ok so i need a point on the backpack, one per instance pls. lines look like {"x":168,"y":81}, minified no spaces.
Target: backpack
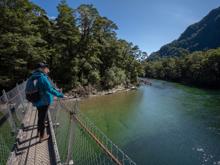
{"x":32,"y":90}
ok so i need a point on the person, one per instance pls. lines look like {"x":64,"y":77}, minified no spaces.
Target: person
{"x":47,"y":92}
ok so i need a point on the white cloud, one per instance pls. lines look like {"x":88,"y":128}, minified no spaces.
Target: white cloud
{"x":52,"y":17}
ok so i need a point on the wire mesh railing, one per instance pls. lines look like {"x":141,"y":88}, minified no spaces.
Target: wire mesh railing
{"x":13,"y":107}
{"x":73,"y":143}
{"x":110,"y":149}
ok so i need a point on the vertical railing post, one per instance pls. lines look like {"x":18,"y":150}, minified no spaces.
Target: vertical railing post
{"x":70,"y":142}
{"x":53,"y":138}
{"x":123,"y":159}
{"x":21,"y":102}
{"x":11,"y":120}
{"x":20,"y":96}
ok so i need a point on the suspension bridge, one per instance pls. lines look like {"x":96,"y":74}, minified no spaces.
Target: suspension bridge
{"x":74,"y":139}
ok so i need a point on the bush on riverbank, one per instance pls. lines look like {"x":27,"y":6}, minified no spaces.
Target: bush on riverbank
{"x":198,"y":68}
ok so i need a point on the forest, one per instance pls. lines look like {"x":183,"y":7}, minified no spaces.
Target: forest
{"x":80,"y":46}
{"x":200,"y":68}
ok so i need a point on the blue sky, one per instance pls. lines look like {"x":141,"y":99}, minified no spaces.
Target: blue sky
{"x":147,"y":23}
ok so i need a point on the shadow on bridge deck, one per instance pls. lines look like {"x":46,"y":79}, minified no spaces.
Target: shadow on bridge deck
{"x":28,"y":150}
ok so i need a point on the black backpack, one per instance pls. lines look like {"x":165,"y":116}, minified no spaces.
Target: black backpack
{"x":32,"y":90}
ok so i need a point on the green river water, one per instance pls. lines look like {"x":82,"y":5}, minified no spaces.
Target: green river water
{"x":163,"y":124}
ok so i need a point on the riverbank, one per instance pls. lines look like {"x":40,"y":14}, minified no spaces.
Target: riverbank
{"x":90,"y":91}
{"x":187,"y":83}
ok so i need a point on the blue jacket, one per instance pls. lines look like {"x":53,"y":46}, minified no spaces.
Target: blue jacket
{"x":47,"y":91}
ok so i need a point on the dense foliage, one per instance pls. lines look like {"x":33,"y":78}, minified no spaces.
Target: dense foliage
{"x":200,"y":36}
{"x":80,"y":46}
{"x":198,"y":68}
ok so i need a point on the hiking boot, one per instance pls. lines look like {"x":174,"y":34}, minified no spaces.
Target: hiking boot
{"x":44,"y":137}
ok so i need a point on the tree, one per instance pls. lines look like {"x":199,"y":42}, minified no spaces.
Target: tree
{"x":65,"y":40}
{"x":21,"y":44}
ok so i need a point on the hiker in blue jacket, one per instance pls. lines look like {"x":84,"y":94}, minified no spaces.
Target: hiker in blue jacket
{"x":47,"y":92}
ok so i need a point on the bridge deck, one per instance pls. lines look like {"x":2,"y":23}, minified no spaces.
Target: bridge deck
{"x":29,"y":150}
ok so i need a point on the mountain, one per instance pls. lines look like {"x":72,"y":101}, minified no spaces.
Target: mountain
{"x":200,"y":36}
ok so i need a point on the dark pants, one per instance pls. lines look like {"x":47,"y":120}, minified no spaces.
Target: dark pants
{"x":42,"y":114}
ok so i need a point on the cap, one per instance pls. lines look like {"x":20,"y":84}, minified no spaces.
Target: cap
{"x":42,"y":65}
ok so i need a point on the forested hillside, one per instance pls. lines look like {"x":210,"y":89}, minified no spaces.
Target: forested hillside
{"x":80,"y":45}
{"x":199,"y":68}
{"x":200,"y":36}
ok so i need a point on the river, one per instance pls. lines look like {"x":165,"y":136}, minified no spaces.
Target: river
{"x":163,"y":124}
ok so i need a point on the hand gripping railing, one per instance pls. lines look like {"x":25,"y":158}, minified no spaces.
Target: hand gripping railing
{"x":112,"y":150}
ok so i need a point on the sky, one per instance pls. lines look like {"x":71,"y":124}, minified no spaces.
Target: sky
{"x":147,"y":23}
